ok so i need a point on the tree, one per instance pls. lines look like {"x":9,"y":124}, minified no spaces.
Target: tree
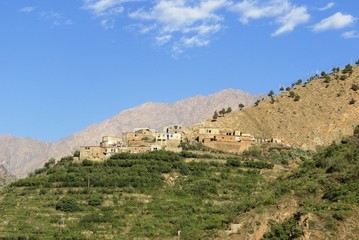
{"x":281,"y":89}
{"x":215,"y":115}
{"x":297,"y":97}
{"x":222,"y":112}
{"x":229,"y":109}
{"x":256,"y":103}
{"x":271,"y":93}
{"x":323,"y":74}
{"x":291,"y":94}
{"x":327,"y":79}
{"x":334,"y":70}
{"x":356,"y":131}
{"x":241,"y":106}
{"x":299,"y":81}
{"x":354,"y":87}
{"x":287,"y":89}
{"x":357,"y":62}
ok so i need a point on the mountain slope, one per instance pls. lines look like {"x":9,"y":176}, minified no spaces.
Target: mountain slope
{"x":324,"y":112}
{"x":20,"y":156}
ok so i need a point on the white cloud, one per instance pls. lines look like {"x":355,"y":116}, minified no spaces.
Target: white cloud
{"x":336,"y":21}
{"x":55,"y":17}
{"x":296,"y":16}
{"x":104,"y":7}
{"x":27,"y":9}
{"x":328,"y":6}
{"x":253,"y":9}
{"x":184,"y":23}
{"x":350,"y":34}
{"x":284,"y":12}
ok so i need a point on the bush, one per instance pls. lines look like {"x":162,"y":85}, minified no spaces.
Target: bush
{"x":343,"y":77}
{"x":67,"y":204}
{"x":354,"y":87}
{"x":95,"y":200}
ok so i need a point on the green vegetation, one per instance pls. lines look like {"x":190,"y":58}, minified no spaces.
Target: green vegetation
{"x":159,"y":194}
{"x":354,"y":87}
{"x":215,"y":115}
{"x":241,"y":106}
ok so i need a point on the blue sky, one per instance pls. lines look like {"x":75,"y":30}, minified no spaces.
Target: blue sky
{"x":65,"y":65}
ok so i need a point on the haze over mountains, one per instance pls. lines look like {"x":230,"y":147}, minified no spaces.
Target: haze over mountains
{"x":23,"y":155}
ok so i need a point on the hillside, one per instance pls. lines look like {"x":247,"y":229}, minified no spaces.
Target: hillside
{"x":266,"y":193}
{"x":5,"y":177}
{"x":322,"y":114}
{"x":21,"y":156}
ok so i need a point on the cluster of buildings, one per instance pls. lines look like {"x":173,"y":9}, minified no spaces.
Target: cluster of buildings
{"x":228,"y":140}
{"x":138,"y":141}
{"x":145,"y":140}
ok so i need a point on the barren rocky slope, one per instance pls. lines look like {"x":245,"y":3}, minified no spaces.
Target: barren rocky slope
{"x":20,"y":156}
{"x":325,"y":112}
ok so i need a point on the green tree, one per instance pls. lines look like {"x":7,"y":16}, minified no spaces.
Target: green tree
{"x":299,"y":81}
{"x":323,"y":74}
{"x":291,"y":94}
{"x":296,"y":98}
{"x":271,"y":93}
{"x":281,"y":89}
{"x":241,"y":106}
{"x":229,"y":109}
{"x":356,"y":131}
{"x":354,"y":87}
{"x":287,"y":89}
{"x":67,"y":204}
{"x":222,"y":112}
{"x":257,"y":103}
{"x":215,"y":115}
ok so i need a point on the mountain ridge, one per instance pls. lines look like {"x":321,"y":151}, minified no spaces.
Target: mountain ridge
{"x":23,"y":155}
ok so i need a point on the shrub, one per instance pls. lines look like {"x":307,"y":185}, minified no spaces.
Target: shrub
{"x":67,"y":204}
{"x":95,"y":200}
{"x":354,"y":87}
{"x":352,"y":101}
{"x":297,"y":97}
{"x":343,"y":77}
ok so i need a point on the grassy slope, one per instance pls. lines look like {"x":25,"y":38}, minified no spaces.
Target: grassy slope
{"x":156,"y":195}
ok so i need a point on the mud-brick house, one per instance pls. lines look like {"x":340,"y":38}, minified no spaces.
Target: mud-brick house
{"x":175,"y":128}
{"x":94,"y":153}
{"x":139,"y":137}
{"x":207,"y":134}
{"x":111,"y":141}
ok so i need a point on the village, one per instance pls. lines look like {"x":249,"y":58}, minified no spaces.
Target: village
{"x":142,"y":140}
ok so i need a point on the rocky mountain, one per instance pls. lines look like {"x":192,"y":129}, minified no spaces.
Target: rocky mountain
{"x":5,"y":176}
{"x":23,"y":155}
{"x":307,"y":115}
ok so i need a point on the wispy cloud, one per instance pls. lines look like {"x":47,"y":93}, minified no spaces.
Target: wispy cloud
{"x":252,"y":9}
{"x":27,"y":9}
{"x":350,"y":34}
{"x":284,"y":13}
{"x":336,"y":21}
{"x":56,"y":18}
{"x":328,"y":6}
{"x":107,"y":10}
{"x":193,"y":22}
{"x":295,"y":17}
